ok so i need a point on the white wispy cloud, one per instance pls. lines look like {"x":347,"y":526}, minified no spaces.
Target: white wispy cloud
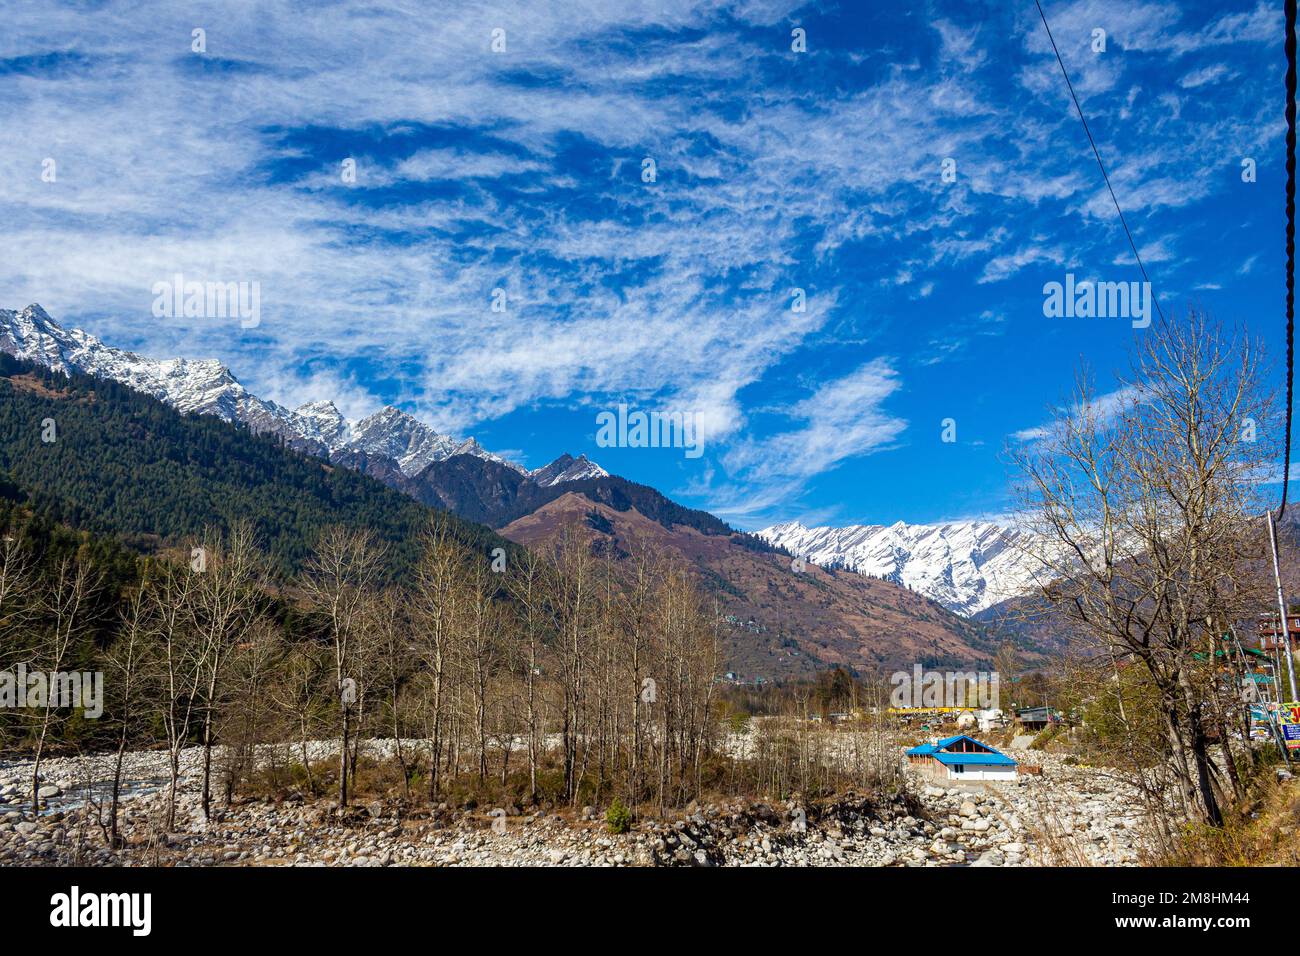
{"x":843,"y":418}
{"x":1103,"y":409}
{"x":524,"y":176}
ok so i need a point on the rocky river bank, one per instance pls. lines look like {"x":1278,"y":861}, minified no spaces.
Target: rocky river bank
{"x":1065,"y":815}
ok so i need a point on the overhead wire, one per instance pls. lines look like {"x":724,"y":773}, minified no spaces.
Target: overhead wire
{"x":1097,"y":153}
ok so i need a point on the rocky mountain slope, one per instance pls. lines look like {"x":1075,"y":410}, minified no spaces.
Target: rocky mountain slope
{"x":1030,"y":617}
{"x":778,"y":621}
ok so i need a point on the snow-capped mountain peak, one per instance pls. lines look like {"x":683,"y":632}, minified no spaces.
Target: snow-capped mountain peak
{"x":966,"y":566}
{"x":393,"y":433}
{"x":567,"y":468}
{"x":470,"y":446}
{"x":323,"y":422}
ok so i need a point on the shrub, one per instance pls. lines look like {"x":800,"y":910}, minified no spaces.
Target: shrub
{"x":618,"y":817}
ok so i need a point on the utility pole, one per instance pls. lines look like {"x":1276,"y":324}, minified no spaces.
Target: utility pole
{"x":1281,"y":606}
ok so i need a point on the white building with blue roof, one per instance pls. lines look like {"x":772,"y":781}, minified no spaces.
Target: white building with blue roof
{"x":962,"y":758}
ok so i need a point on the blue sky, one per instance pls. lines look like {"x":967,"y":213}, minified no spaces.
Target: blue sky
{"x":521,"y":170}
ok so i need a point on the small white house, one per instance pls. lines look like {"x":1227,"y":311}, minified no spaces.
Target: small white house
{"x":986,"y":719}
{"x":962,"y":758}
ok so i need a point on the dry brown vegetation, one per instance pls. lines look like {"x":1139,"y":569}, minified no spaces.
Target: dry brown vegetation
{"x":1263,"y":830}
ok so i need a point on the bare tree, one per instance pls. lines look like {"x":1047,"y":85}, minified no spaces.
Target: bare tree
{"x":17,"y":599}
{"x":528,"y":586}
{"x":247,"y":714}
{"x":1141,"y":504}
{"x":229,"y":597}
{"x":170,"y":593}
{"x":478,"y":644}
{"x":388,"y":639}
{"x":297,"y":695}
{"x":435,"y":608}
{"x":637,"y":623}
{"x":574,"y":604}
{"x":66,"y":605}
{"x":128,"y":665}
{"x":338,"y":582}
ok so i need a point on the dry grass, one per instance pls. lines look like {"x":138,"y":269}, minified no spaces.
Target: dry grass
{"x":1265,"y":831}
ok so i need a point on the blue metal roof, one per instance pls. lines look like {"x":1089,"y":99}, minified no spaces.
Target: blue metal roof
{"x":939,"y":752}
{"x":993,"y":759}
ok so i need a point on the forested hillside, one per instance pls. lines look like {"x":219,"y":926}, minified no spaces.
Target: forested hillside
{"x":95,"y":455}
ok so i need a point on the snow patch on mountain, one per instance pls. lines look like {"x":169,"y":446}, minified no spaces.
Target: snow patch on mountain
{"x":471,"y":446}
{"x":966,"y":566}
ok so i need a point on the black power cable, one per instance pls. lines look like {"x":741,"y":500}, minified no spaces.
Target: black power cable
{"x":1290,"y":240}
{"x":1102,"y":166}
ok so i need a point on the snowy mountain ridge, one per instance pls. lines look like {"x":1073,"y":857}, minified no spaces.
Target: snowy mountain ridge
{"x":207,"y":387}
{"x":966,"y":566}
